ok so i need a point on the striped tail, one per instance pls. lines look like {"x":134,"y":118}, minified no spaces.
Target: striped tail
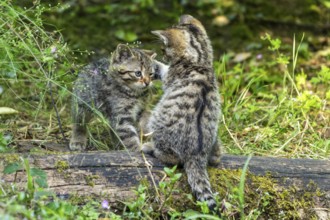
{"x":198,"y":180}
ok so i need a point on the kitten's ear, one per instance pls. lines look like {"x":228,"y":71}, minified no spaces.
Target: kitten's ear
{"x":122,"y":52}
{"x":150,"y":53}
{"x":190,"y":20}
{"x":161,"y":35}
{"x":186,"y":19}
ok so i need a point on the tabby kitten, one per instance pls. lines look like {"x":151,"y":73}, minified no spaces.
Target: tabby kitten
{"x":185,"y":121}
{"x":117,"y":88}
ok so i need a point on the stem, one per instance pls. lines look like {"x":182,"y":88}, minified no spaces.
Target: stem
{"x":55,"y":108}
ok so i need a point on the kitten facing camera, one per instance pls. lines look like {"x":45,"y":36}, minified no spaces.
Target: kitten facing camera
{"x":117,"y":88}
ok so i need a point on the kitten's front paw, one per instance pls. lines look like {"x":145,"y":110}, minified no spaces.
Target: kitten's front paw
{"x":148,"y":148}
{"x":77,"y":145}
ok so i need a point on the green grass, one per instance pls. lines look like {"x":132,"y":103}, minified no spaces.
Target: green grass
{"x":271,"y":109}
{"x":274,"y":104}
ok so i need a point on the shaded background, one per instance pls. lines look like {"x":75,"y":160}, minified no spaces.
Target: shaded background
{"x":233,"y":25}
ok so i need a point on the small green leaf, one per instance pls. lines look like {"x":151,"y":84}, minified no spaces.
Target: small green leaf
{"x":204,"y":208}
{"x":327,"y":95}
{"x":162,"y":185}
{"x":21,"y":196}
{"x":282,"y":59}
{"x":130,"y":36}
{"x":177,"y":176}
{"x":168,"y":171}
{"x":12,"y":168}
{"x":276,"y":44}
{"x":126,"y":36}
{"x":120,"y":34}
{"x":190,"y":213}
{"x":42,"y":193}
{"x":141,"y":188}
{"x":42,"y":182}
{"x":36,"y":172}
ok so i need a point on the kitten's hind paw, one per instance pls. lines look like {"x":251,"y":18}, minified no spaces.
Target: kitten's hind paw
{"x":77,"y":145}
{"x":148,"y":148}
{"x":214,"y":160}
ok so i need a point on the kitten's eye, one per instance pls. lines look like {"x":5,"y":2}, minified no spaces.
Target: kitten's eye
{"x":138,"y":74}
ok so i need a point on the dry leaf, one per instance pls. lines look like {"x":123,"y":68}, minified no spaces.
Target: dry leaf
{"x":220,"y":21}
{"x":241,"y":57}
{"x":7,"y":111}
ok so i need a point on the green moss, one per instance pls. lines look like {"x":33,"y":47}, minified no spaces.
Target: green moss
{"x":9,"y":158}
{"x":61,"y":166}
{"x":179,"y":201}
{"x":90,"y":179}
{"x":263,"y":196}
{"x":75,"y":199}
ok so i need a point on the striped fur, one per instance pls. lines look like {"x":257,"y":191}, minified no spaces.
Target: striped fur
{"x":117,"y":88}
{"x":185,"y":121}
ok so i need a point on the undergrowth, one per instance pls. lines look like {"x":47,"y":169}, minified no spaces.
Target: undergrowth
{"x":35,"y":69}
{"x":270,"y":108}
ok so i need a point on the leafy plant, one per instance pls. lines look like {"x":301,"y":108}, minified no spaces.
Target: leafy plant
{"x":142,"y":207}
{"x":323,"y":76}
{"x":34,"y":202}
{"x":4,"y":141}
{"x":34,"y":62}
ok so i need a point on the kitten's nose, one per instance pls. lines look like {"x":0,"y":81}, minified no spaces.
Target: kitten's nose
{"x":146,"y":81}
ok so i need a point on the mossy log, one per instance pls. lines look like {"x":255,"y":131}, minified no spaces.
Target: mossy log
{"x":118,"y":173}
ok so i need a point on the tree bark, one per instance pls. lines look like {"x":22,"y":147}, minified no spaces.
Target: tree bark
{"x":118,"y":173}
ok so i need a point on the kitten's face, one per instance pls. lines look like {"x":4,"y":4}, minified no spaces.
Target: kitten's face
{"x":186,"y":40}
{"x":133,"y":67}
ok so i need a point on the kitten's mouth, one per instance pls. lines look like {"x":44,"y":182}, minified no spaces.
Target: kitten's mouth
{"x":145,"y":83}
{"x":142,"y":86}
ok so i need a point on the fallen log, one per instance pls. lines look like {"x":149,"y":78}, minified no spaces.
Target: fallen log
{"x":118,"y":173}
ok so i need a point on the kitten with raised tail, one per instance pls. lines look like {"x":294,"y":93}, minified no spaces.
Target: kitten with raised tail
{"x":117,"y":88}
{"x":184,"y":123}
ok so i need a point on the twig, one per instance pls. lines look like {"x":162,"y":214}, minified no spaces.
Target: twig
{"x":148,"y":167}
{"x":231,"y":135}
{"x":55,"y":108}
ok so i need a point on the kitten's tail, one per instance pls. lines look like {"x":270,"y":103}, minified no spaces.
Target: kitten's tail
{"x":198,"y":180}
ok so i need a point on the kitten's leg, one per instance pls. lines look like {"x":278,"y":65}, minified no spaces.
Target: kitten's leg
{"x":143,"y":122}
{"x":80,"y":116}
{"x":166,"y":157}
{"x":127,"y":132}
{"x":216,"y":152}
